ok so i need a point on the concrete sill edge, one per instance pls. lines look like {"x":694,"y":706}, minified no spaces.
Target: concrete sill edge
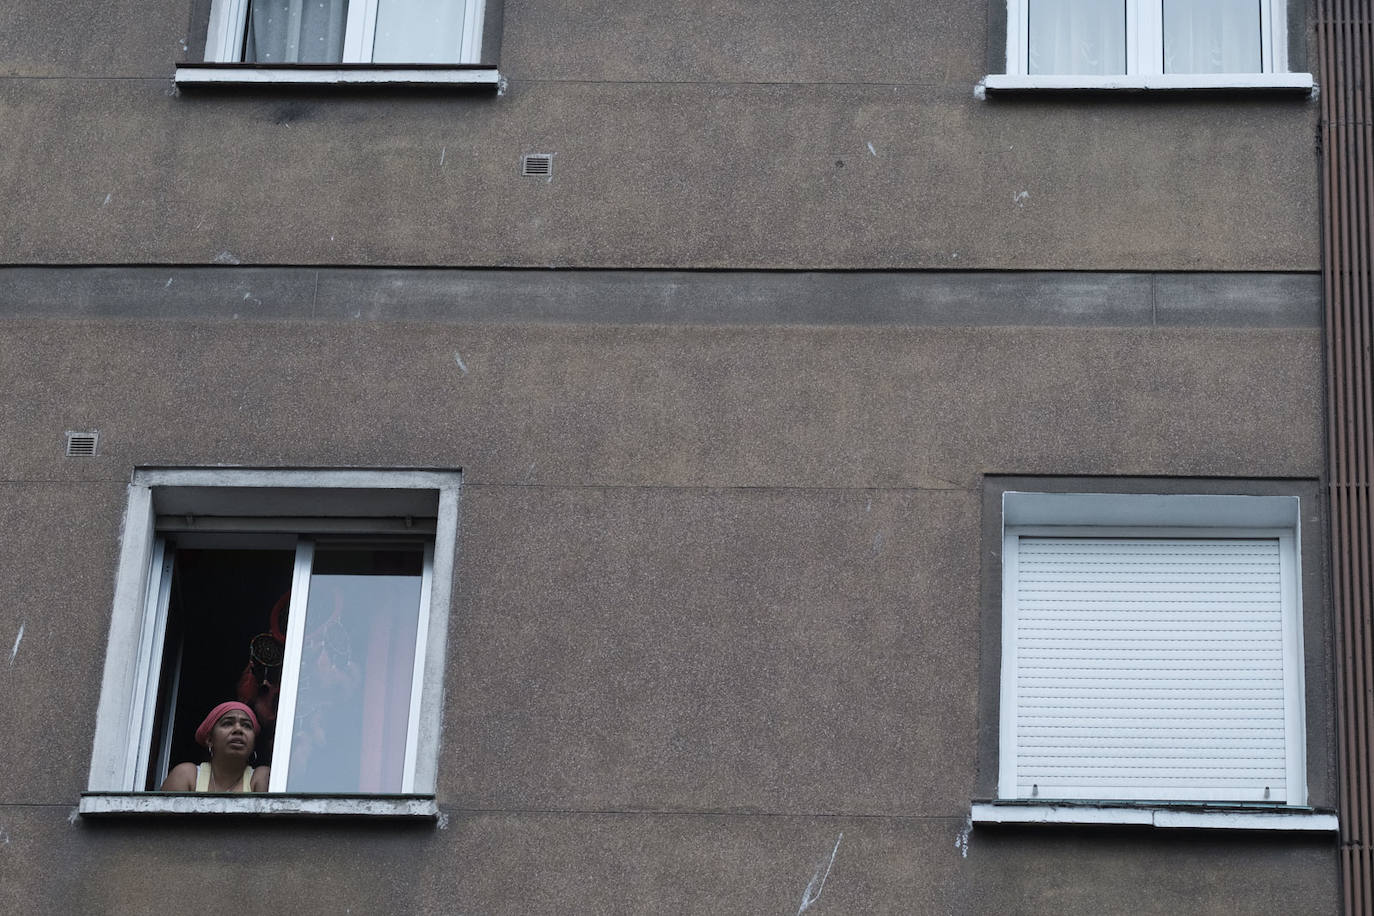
{"x":176,"y":804}
{"x":1013,"y":83}
{"x":210,"y":75}
{"x":1157,"y":816}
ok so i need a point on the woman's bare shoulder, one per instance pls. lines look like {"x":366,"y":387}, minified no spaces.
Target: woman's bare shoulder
{"x":261,"y":776}
{"x":182,"y":778}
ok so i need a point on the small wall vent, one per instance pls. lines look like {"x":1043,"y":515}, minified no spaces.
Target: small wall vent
{"x":536,"y":165}
{"x":81,"y":445}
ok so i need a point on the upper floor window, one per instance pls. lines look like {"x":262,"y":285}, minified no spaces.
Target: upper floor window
{"x":1147,"y":44}
{"x":277,"y":32}
{"x":411,"y":43}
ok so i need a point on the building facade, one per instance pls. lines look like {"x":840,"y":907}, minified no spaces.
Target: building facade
{"x":713,"y":374}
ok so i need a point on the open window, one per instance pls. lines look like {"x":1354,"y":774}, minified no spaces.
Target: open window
{"x":319,"y":598}
{"x":1147,"y":44}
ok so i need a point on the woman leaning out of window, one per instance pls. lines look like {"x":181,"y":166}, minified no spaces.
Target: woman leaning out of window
{"x":229,"y":733}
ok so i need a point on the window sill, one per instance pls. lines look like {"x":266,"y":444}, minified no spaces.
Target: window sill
{"x":412,"y":75}
{"x":180,"y":804}
{"x":1164,"y":817}
{"x":1287,"y":83}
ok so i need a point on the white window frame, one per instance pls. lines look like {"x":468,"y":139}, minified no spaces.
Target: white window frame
{"x":223,"y":60}
{"x":229,"y":22}
{"x":1152,"y":515}
{"x":126,"y":712}
{"x":1144,"y":57}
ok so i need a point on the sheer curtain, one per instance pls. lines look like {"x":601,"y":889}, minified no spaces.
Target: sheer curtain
{"x":1077,"y":36}
{"x":1212,"y":36}
{"x":296,"y":31}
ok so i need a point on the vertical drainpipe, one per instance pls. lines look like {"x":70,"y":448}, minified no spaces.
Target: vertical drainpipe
{"x":1344,"y":43}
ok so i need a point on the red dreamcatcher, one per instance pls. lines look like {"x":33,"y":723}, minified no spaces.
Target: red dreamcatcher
{"x":260,"y":683}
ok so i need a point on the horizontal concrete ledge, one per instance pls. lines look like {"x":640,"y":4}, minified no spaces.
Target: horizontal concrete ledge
{"x":1162,"y":817}
{"x":640,"y":297}
{"x":192,"y":75}
{"x":159,"y":804}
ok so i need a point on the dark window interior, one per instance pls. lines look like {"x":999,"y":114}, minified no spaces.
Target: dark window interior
{"x":220,"y":601}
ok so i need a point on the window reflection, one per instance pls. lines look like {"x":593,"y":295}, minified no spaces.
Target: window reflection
{"x":357,"y":665}
{"x":418,"y":31}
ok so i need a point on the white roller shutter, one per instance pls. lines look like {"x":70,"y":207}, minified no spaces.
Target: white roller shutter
{"x":1147,"y":668}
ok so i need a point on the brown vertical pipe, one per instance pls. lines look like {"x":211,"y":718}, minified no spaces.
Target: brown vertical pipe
{"x":1360,"y":386}
{"x":1345,"y":40}
{"x":1356,"y":474}
{"x":1335,"y":368}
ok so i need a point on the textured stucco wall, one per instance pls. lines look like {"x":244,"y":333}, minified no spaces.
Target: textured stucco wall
{"x":719,"y":592}
{"x":719,"y":602}
{"x":770,"y":134}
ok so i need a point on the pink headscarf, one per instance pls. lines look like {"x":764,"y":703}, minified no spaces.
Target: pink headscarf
{"x":203,"y":733}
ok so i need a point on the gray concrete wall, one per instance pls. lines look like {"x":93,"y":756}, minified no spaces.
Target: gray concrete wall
{"x":719,"y":594}
{"x":767,"y":134}
{"x":720,"y":587}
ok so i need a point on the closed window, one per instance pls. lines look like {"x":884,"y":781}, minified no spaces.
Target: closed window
{"x":1151,"y":650}
{"x":1147,"y":44}
{"x":285,"y":32}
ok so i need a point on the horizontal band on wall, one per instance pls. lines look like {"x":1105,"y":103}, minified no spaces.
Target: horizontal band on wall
{"x":640,"y":297}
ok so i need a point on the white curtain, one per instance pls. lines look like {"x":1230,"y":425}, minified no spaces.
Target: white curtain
{"x":1077,"y":36}
{"x":1212,"y":36}
{"x":296,"y":31}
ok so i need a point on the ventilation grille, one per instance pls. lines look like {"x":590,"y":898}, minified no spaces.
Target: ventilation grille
{"x":1150,"y":669}
{"x":81,"y":445}
{"x":536,"y":165}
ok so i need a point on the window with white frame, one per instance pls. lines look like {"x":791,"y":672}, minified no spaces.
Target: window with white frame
{"x":318,"y":598}
{"x":1147,"y":44}
{"x":1151,"y":650}
{"x":283,"y":32}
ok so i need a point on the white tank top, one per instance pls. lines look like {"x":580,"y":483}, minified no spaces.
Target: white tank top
{"x":203,"y":778}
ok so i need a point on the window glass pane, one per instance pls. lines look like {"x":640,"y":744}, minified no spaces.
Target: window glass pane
{"x":295,"y":31}
{"x":1212,"y":36}
{"x":1077,"y":36}
{"x":418,"y":31}
{"x":353,"y":696}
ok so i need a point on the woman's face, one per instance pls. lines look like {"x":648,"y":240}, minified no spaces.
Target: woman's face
{"x":233,"y":735}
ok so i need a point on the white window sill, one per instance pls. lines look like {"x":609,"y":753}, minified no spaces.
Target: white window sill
{"x":209,"y":74}
{"x":1199,"y":817}
{"x":1237,"y":82}
{"x":154,"y":804}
